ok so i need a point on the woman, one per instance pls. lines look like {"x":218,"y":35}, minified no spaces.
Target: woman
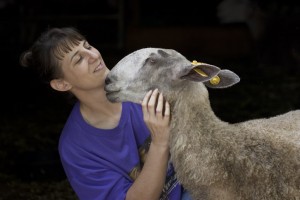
{"x":107,"y":150}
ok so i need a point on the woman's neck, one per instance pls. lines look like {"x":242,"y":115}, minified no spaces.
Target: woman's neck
{"x":98,"y":111}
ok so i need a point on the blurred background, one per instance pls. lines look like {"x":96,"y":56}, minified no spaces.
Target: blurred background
{"x":257,"y":39}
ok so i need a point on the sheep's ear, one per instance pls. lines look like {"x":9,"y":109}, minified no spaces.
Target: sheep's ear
{"x":224,"y":79}
{"x":200,"y":72}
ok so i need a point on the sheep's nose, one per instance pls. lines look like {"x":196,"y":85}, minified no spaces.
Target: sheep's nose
{"x":107,"y":80}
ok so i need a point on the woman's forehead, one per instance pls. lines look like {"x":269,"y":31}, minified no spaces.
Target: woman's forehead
{"x":66,"y":48}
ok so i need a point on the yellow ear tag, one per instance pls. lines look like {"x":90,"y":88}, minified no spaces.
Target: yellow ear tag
{"x":215,"y":80}
{"x":199,"y":71}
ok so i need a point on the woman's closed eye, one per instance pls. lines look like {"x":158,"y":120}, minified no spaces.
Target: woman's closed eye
{"x":79,"y":59}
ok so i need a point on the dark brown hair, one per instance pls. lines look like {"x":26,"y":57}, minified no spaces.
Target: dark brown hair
{"x":49,"y":49}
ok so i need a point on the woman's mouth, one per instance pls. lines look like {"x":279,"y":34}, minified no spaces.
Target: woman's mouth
{"x":99,"y":67}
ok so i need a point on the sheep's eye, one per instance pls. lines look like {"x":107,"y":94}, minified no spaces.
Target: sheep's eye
{"x":150,"y":60}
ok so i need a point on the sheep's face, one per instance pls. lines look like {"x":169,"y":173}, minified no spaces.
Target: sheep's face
{"x":149,"y":68}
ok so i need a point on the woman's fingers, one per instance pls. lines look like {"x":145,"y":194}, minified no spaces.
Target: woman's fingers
{"x":160,"y":104}
{"x":154,"y":106}
{"x":167,"y":110}
{"x":157,"y":117}
{"x":145,"y":101}
{"x":152,"y":102}
{"x":149,"y":101}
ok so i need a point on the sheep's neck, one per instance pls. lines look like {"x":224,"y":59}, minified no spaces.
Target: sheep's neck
{"x":191,"y":109}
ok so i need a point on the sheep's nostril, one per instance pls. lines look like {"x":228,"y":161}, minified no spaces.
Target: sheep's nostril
{"x":107,"y":80}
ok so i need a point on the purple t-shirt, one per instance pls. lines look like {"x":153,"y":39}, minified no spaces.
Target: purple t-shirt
{"x":102,"y":164}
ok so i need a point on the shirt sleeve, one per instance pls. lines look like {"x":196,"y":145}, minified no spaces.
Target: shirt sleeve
{"x":93,"y":180}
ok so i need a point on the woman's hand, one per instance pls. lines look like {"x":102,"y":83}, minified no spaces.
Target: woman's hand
{"x":150,"y":182}
{"x":157,"y":117}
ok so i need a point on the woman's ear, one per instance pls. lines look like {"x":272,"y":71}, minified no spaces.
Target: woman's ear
{"x":60,"y":85}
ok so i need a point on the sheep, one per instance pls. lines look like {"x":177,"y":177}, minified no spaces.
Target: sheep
{"x":213,"y":159}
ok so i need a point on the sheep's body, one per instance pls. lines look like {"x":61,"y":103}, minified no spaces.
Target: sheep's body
{"x":257,"y":159}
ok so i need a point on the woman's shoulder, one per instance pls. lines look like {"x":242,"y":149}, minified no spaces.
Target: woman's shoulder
{"x":131,"y":104}
{"x":132,"y":107}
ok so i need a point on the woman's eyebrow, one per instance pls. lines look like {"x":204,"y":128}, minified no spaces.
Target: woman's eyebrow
{"x":84,"y":42}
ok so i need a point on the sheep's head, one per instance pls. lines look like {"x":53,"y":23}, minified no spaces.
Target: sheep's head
{"x":166,"y":69}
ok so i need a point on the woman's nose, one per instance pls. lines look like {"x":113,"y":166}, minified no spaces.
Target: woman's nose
{"x":92,"y":56}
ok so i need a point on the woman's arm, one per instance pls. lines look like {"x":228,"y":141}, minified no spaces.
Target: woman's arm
{"x":150,"y":182}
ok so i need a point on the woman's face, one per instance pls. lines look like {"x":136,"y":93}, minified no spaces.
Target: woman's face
{"x":84,"y":68}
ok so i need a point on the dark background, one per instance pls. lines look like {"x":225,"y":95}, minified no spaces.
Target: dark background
{"x":32,"y":115}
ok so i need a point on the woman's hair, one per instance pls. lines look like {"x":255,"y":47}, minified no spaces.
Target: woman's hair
{"x":49,"y":49}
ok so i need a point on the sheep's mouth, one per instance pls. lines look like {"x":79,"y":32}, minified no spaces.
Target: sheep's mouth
{"x":111,"y":93}
{"x":112,"y":96}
